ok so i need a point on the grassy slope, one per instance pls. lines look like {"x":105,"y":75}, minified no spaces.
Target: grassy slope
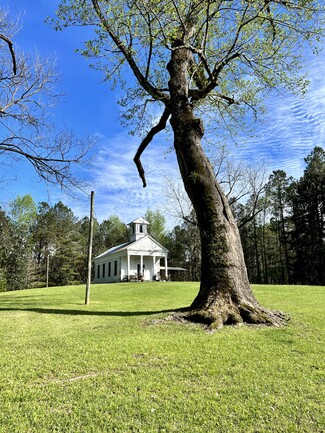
{"x":66,"y":367}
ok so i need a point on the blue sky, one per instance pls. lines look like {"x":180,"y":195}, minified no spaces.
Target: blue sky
{"x":291,"y":128}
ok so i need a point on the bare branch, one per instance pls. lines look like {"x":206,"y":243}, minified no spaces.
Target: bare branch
{"x":153,"y":131}
{"x":26,"y":129}
{"x":11,"y":49}
{"x":179,"y":205}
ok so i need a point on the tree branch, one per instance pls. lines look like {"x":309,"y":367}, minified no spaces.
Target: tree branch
{"x":10,"y":45}
{"x":248,"y":218}
{"x":153,"y":131}
{"x":153,"y":91}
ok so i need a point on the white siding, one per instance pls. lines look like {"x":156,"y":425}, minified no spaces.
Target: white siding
{"x":146,"y":252}
{"x":107,"y":269}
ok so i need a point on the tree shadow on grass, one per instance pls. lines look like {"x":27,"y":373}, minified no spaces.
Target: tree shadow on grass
{"x":91,"y":313}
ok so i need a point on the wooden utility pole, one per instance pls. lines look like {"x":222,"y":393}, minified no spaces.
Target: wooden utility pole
{"x":47,"y":268}
{"x":90,"y":247}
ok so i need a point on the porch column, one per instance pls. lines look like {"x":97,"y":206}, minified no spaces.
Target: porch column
{"x":141,"y":265}
{"x":166,"y":271}
{"x":128,"y":264}
{"x":153,"y":266}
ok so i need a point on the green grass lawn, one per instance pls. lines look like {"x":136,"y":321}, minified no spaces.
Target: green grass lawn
{"x":113,"y":367}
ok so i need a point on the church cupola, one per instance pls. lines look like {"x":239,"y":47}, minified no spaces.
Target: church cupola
{"x":138,"y":229}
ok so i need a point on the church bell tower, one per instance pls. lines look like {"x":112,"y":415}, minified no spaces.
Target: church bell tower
{"x":138,"y":229}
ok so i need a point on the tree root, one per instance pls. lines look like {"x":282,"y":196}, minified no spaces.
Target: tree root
{"x":216,"y":318}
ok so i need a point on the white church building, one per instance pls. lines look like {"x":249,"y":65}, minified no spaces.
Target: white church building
{"x":140,"y":259}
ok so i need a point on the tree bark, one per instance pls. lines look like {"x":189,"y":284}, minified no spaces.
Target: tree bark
{"x":225,"y":296}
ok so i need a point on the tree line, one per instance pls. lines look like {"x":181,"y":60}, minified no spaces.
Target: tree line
{"x":47,"y":245}
{"x":283,"y":241}
{"x":282,"y":229}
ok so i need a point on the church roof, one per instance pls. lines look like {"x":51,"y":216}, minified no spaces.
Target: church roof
{"x":115,"y":249}
{"x":122,"y":247}
{"x":139,"y":221}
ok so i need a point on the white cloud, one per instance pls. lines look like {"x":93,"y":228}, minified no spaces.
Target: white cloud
{"x":292,"y":127}
{"x":118,"y":187}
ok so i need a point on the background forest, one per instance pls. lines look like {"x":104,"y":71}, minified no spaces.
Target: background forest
{"x":282,"y":227}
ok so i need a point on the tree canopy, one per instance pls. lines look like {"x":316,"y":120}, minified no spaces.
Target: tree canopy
{"x":239,"y":48}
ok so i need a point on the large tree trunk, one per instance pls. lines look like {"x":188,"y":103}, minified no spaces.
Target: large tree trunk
{"x":225,"y":296}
